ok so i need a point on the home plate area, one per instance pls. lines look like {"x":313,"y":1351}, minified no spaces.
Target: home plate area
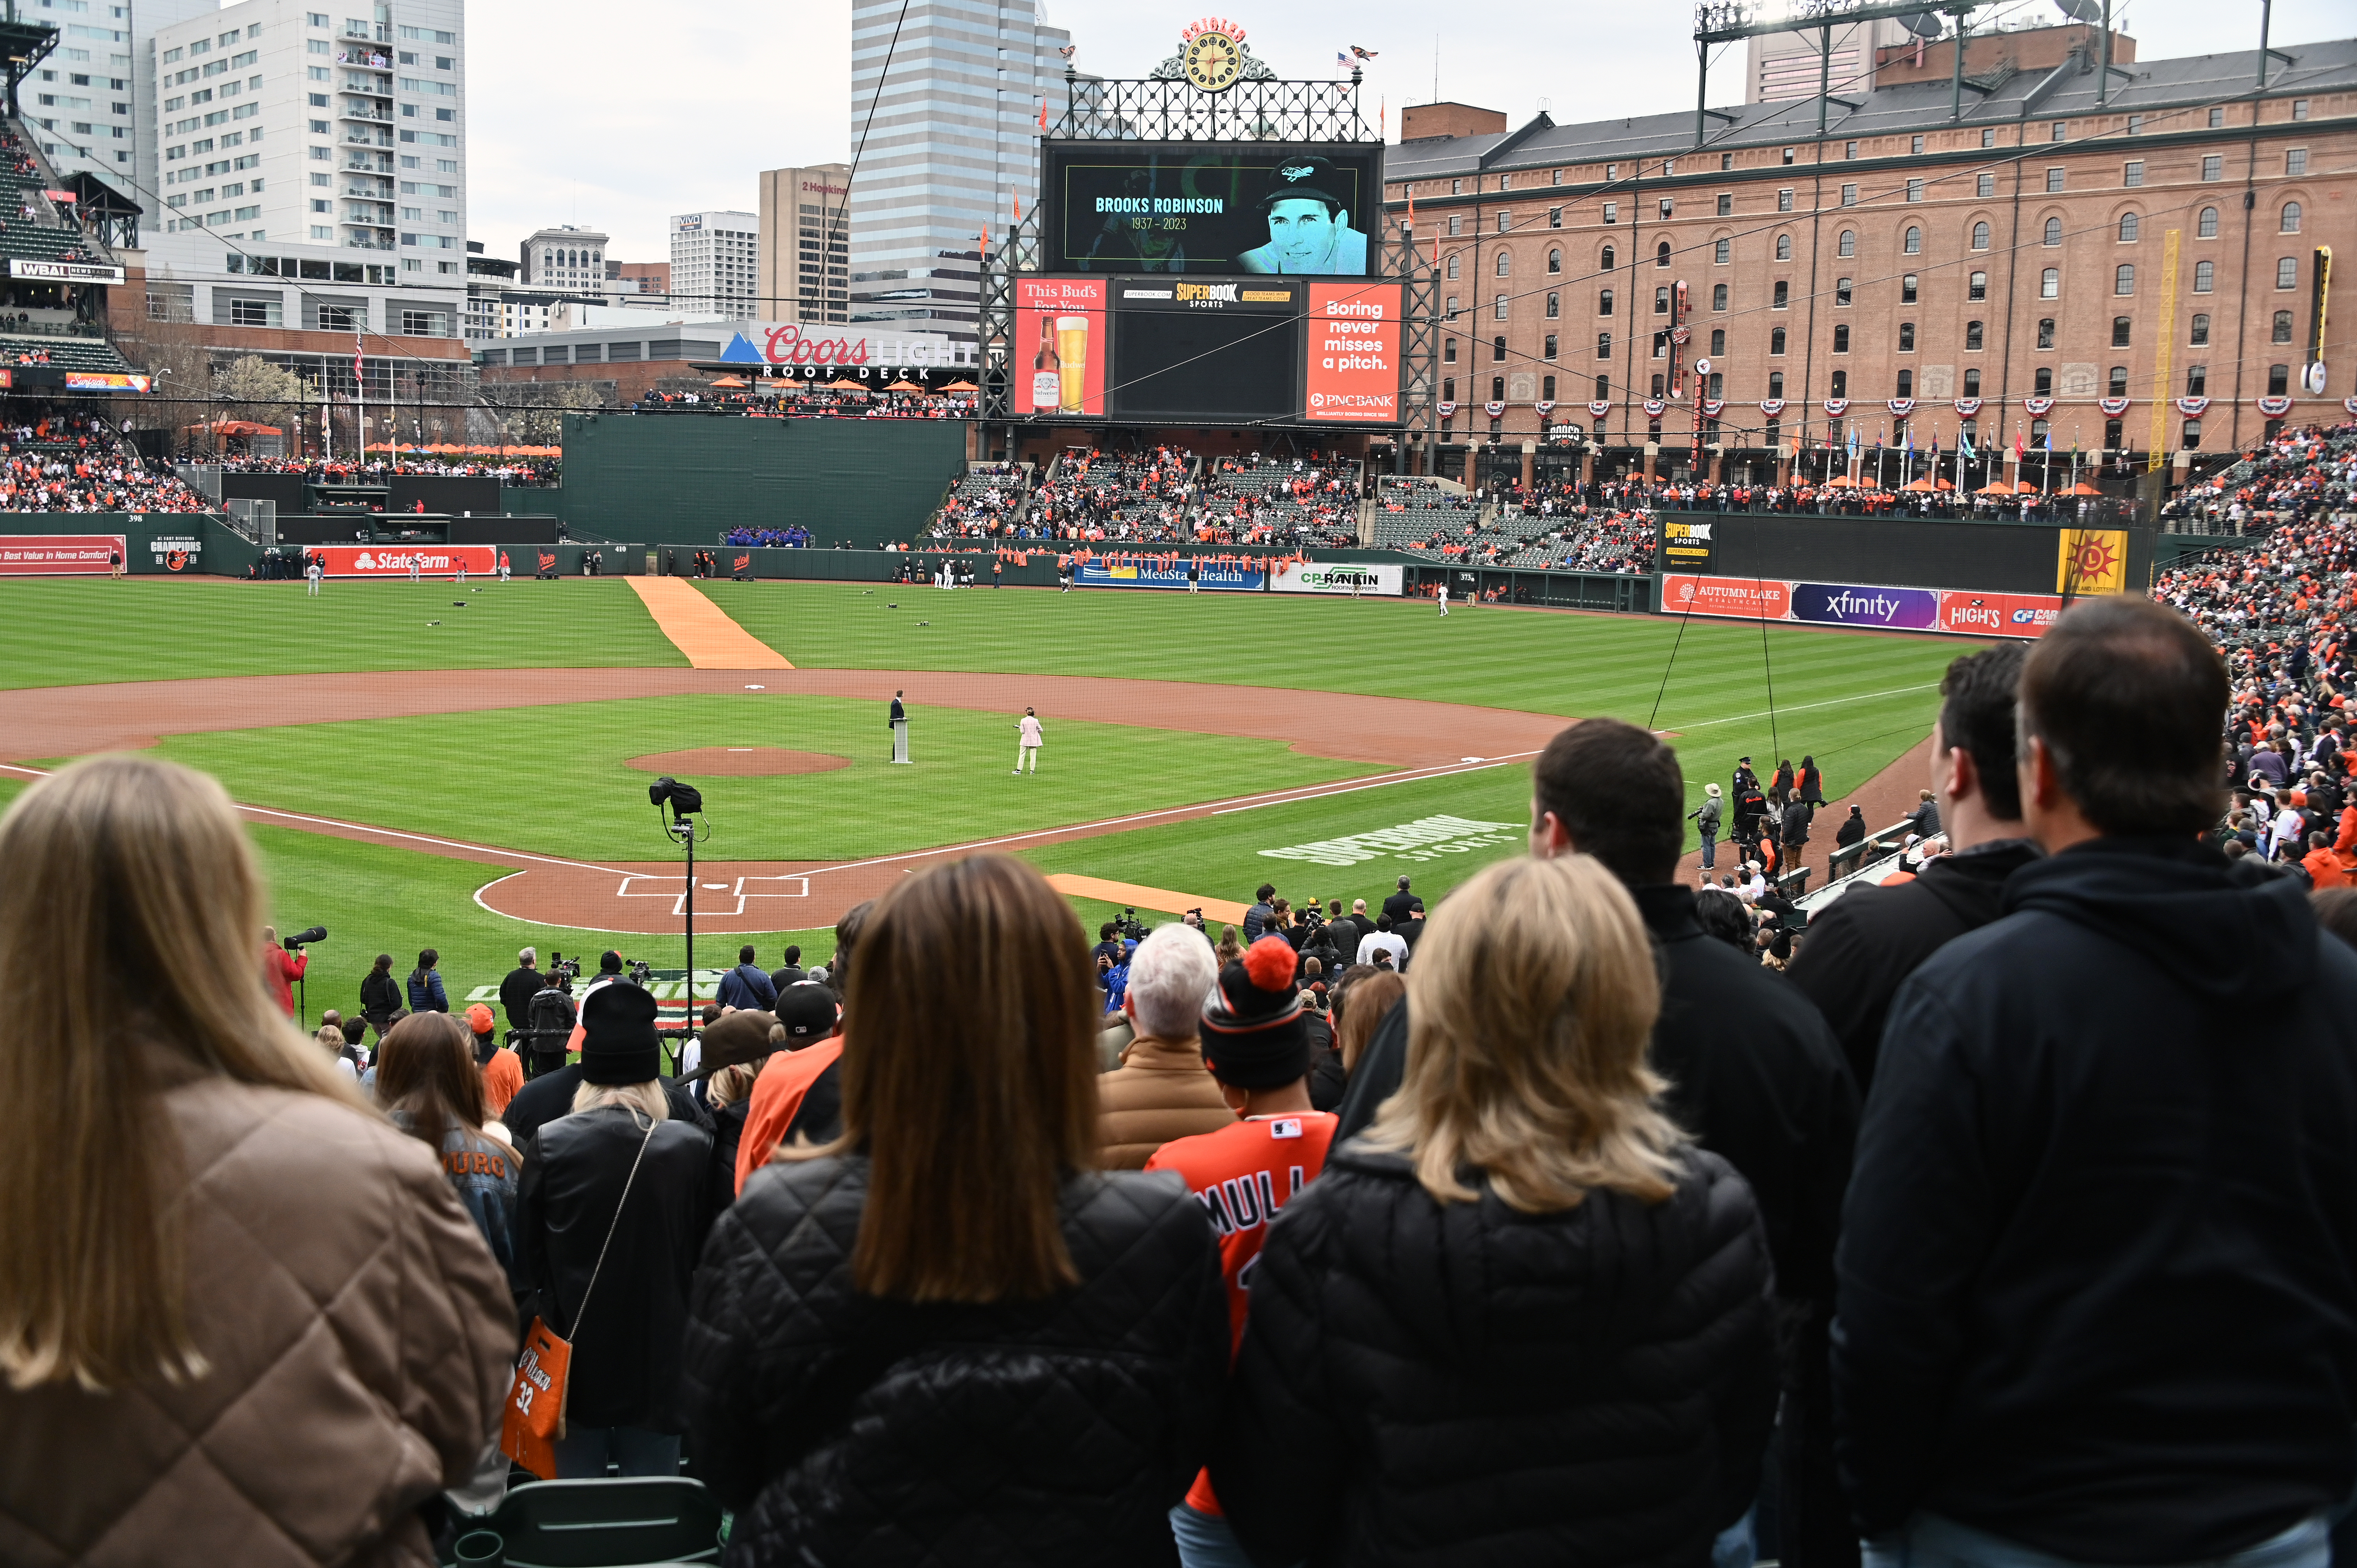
{"x":649,"y":898}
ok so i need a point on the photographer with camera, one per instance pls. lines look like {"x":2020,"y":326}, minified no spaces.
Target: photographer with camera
{"x":281,"y":968}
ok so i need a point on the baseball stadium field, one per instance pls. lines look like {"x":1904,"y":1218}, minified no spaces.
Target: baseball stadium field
{"x":464,"y":768}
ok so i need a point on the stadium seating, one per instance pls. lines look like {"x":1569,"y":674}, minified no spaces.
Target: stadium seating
{"x":606,"y":1525}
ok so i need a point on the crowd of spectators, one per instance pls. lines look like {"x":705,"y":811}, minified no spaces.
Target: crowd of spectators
{"x":520,"y":471}
{"x":70,"y":460}
{"x":1556,"y":1222}
{"x":793,"y":536}
{"x":2298,"y":475}
{"x":794,"y":401}
{"x":1164,"y":495}
{"x":803,"y":1291}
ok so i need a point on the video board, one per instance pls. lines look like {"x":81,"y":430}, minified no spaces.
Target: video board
{"x":1207,"y":351}
{"x":1255,"y":209}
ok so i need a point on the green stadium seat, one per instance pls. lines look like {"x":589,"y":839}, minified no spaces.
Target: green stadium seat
{"x":616,"y":1523}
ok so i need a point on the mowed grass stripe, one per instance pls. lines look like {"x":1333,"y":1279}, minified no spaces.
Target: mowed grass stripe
{"x":561,"y":785}
{"x":74,"y":631}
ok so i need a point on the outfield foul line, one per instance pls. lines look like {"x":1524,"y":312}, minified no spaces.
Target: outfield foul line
{"x":376,"y":832}
{"x":1805,"y":707}
{"x":1378,"y":783}
{"x":1240,"y":803}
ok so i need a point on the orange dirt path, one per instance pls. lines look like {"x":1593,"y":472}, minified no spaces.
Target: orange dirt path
{"x":701,"y":630}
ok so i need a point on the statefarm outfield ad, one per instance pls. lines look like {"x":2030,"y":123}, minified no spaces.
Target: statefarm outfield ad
{"x":1861,"y":605}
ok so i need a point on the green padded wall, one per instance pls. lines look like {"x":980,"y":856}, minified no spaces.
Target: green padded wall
{"x":689,"y":478}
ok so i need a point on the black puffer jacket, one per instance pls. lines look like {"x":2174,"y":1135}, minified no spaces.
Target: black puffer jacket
{"x":846,"y":1430}
{"x":1468,"y":1384}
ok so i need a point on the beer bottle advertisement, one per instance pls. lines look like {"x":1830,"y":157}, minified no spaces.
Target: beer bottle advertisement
{"x":1061,"y":321}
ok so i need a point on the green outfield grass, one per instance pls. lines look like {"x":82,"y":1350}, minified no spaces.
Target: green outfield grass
{"x":551,"y":779}
{"x":71,"y":630}
{"x":576,"y":797}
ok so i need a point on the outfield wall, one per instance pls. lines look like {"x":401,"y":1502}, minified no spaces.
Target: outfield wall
{"x":688,"y":480}
{"x":1893,"y":573}
{"x":75,"y":543}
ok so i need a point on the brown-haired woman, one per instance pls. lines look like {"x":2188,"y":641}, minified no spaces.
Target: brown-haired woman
{"x":1522,"y":1318}
{"x":427,"y":1081}
{"x":235,"y":1305}
{"x":1020,"y":1349}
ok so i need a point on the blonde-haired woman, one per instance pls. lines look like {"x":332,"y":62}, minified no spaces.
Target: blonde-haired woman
{"x":236,"y":1307}
{"x":1522,"y":1318}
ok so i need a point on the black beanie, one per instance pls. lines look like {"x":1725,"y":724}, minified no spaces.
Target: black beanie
{"x":618,"y":1043}
{"x":1253,"y":1033}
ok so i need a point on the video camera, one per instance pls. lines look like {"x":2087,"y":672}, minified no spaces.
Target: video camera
{"x":1129,"y":927}
{"x":303,"y":939}
{"x":637,"y":971}
{"x":568,"y":970}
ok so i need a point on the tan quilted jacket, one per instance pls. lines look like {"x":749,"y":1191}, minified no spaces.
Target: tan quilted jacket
{"x":359,"y":1336}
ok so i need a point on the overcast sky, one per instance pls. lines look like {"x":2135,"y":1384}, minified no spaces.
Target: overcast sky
{"x":724,"y":88}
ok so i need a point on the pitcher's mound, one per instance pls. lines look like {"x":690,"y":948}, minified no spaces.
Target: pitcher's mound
{"x":738,"y":762}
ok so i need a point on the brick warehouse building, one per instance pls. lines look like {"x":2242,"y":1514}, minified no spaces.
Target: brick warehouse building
{"x":2020,"y":247}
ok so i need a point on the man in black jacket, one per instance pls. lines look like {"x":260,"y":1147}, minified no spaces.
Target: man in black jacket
{"x":1754,"y":1072}
{"x":519,"y":988}
{"x":2096,"y":1298}
{"x":1864,"y":944}
{"x":1396,"y":905}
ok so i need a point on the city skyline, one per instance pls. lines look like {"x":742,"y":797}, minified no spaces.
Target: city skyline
{"x":709,"y":114}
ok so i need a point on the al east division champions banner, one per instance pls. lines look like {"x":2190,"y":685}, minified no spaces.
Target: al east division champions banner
{"x":1059,"y":346}
{"x":1351,"y":350}
{"x":1310,"y":577}
{"x":58,"y":555}
{"x":392,"y":559}
{"x":1168,"y":572}
{"x":1860,"y":605}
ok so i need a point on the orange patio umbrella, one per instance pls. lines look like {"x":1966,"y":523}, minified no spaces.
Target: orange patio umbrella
{"x":2083,"y":488}
{"x":728,"y":381}
{"x":1996,"y":488}
{"x":1925,"y":485}
{"x":961,"y":386}
{"x":847,"y":385}
{"x":1840,"y":482}
{"x":904,"y":386}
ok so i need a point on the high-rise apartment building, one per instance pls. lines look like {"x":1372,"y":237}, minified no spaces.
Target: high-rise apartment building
{"x":80,"y":101}
{"x":567,"y":256}
{"x":805,"y":272}
{"x":716,"y":262}
{"x":288,"y":142}
{"x":952,"y":135}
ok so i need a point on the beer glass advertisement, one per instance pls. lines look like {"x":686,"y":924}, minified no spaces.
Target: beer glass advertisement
{"x":1251,"y":208}
{"x":1352,"y":373}
{"x":1060,"y":348}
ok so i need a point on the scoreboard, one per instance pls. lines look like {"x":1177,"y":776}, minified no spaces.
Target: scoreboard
{"x":1208,"y":350}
